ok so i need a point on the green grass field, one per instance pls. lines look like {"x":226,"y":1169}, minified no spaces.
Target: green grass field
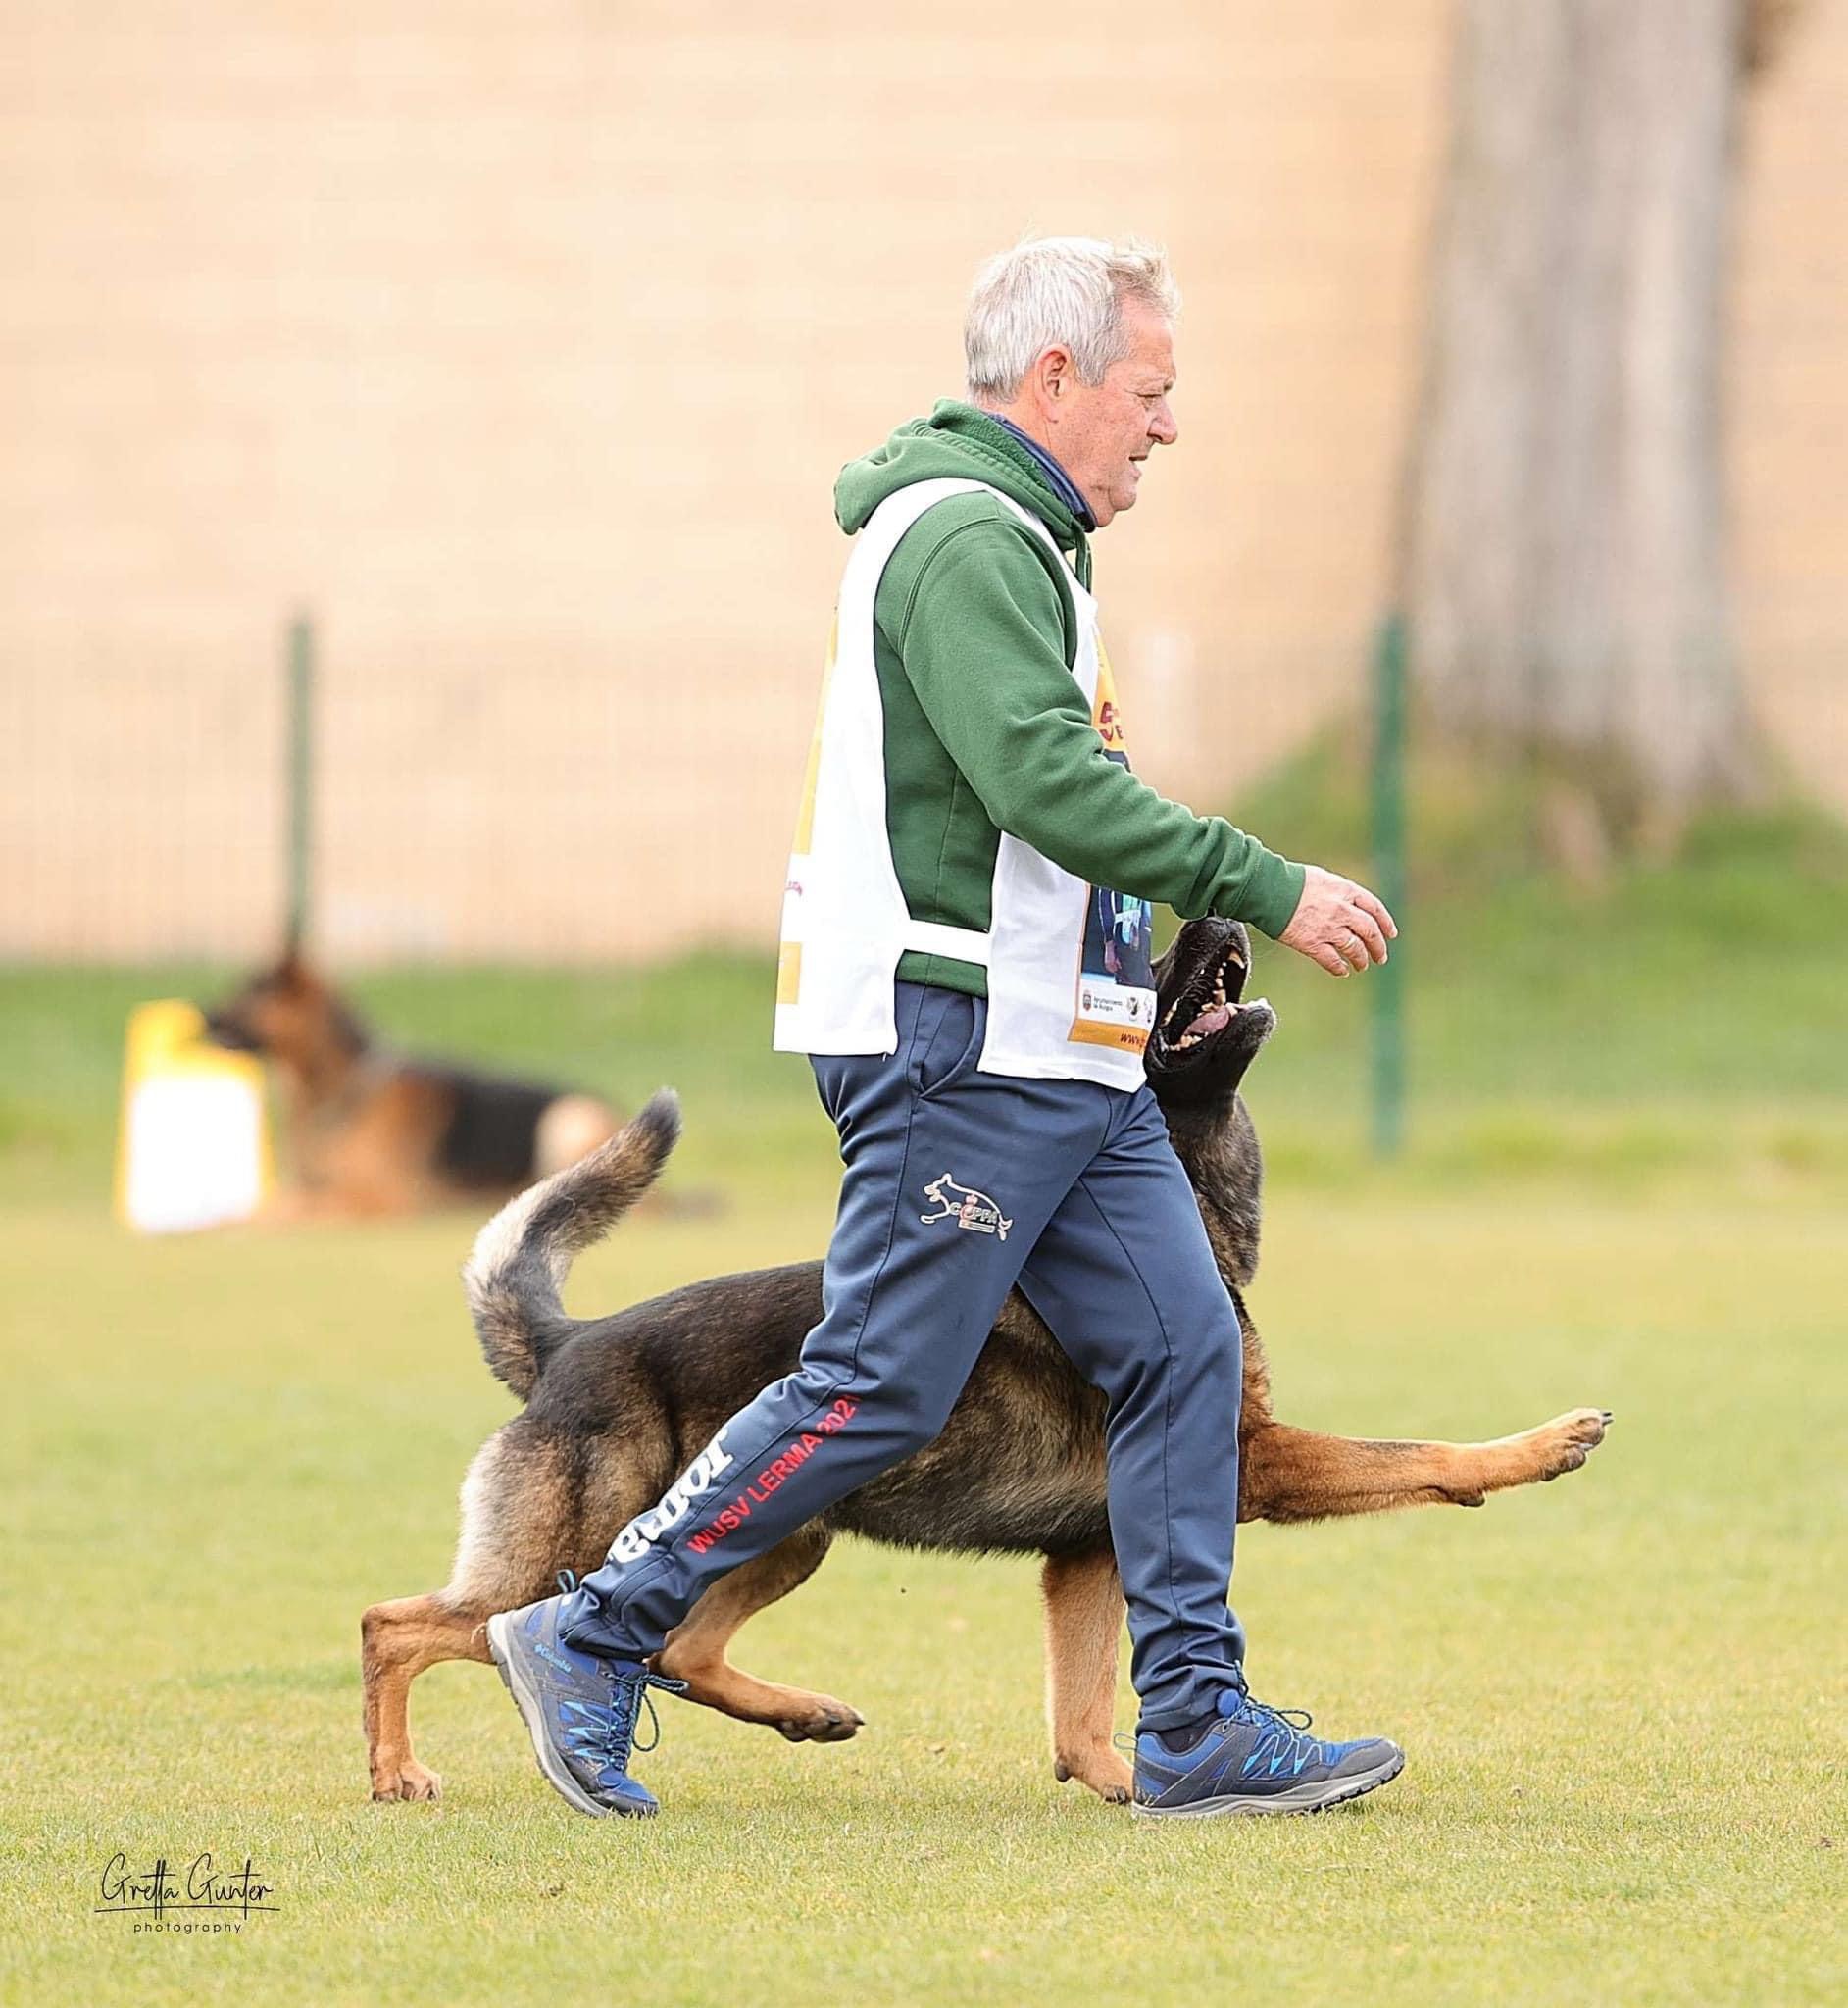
{"x":1622,"y":1695}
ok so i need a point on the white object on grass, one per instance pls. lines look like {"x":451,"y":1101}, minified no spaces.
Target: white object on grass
{"x":192,"y":1151}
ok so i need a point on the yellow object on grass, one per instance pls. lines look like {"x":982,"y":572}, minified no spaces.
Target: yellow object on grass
{"x":193,"y":1150}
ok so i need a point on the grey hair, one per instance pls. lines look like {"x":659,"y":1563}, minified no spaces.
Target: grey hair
{"x":1064,"y":292}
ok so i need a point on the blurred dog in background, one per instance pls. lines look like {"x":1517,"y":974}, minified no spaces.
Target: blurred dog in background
{"x":368,"y":1132}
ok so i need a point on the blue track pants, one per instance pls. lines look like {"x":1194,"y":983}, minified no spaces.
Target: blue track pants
{"x":958,"y":1185}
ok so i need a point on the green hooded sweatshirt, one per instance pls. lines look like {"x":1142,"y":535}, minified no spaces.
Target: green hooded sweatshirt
{"x":986,"y":729}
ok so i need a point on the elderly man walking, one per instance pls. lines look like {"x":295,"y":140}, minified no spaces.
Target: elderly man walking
{"x":966,"y":960}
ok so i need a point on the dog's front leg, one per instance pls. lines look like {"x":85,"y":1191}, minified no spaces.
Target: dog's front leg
{"x":1085,"y":1609}
{"x":1288,"y":1474}
{"x":695,"y":1649}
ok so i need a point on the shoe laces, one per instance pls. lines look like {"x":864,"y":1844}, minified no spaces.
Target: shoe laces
{"x":612,"y":1739}
{"x":1290,"y":1725}
{"x":1287,"y":1727}
{"x":1289,"y":1721}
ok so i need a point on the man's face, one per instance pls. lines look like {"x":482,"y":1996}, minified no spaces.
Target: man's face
{"x":1105,"y":431}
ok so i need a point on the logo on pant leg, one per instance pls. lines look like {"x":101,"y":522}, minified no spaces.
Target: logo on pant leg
{"x":966,"y":1207}
{"x":646,"y":1529}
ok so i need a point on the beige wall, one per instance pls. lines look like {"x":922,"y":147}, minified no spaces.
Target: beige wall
{"x":523,"y":344}
{"x":1790,"y":402}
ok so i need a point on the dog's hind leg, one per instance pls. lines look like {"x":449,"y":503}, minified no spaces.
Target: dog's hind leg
{"x":521,"y":1514}
{"x":397,"y":1642}
{"x":695,"y":1649}
{"x":1083,"y":1600}
{"x":1288,"y":1474}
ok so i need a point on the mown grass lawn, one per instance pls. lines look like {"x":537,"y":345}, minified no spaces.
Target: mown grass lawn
{"x":1622,"y":1695}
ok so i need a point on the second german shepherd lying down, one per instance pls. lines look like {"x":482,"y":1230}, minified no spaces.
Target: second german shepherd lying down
{"x":617,"y":1407}
{"x":368,"y":1131}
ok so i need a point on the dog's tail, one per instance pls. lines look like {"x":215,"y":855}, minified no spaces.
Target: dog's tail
{"x":521,"y":1257}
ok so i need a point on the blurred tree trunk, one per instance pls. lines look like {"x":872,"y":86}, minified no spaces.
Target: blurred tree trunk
{"x":1564,"y":554}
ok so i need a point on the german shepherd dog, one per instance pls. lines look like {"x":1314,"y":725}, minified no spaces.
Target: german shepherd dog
{"x":371,"y":1132}
{"x":617,"y":1406}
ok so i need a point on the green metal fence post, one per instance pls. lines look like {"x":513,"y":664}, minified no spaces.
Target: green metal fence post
{"x":1387,"y":985}
{"x":299,"y":774}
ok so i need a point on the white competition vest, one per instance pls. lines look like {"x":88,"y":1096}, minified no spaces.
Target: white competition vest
{"x":1069,"y":992}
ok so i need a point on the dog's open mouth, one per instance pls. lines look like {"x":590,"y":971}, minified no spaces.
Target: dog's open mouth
{"x":1208,"y":1004}
{"x":1207,"y":1032}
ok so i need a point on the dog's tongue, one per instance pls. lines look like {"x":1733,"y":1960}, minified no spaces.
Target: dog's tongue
{"x":1215,"y":1020}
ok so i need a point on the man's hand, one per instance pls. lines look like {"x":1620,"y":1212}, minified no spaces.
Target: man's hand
{"x":1339,"y":924}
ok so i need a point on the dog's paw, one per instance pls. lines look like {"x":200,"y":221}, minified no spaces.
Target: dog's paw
{"x":410,"y":1780}
{"x":1569,"y":1439}
{"x":826,"y":1720}
{"x":1102,"y":1771}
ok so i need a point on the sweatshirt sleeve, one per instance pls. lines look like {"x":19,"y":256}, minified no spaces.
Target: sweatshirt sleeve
{"x":980,"y":639}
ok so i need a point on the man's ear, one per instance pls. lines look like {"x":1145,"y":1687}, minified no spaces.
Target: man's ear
{"x":1052,"y":371}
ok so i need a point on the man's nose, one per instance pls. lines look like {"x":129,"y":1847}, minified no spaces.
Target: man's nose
{"x":1162,"y":427}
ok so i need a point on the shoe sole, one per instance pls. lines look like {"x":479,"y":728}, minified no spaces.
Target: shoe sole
{"x":1302,"y":1799}
{"x":532,"y":1709}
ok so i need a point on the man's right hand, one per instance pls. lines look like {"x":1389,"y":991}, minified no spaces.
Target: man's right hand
{"x":1338,"y":924}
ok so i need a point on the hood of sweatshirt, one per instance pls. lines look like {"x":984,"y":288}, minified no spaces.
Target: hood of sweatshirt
{"x":956,"y":442}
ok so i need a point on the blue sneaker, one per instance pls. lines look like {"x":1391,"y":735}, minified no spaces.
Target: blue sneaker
{"x":580,"y":1709}
{"x":1254,"y":1759}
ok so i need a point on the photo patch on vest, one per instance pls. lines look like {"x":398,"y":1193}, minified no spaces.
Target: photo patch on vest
{"x":1115,"y":978}
{"x":1115,"y":988}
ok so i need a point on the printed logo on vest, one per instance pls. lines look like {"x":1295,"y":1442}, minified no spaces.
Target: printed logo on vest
{"x":966,"y":1207}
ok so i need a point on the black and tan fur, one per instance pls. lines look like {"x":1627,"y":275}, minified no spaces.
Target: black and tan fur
{"x":368,"y":1132}
{"x":617,"y":1407}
